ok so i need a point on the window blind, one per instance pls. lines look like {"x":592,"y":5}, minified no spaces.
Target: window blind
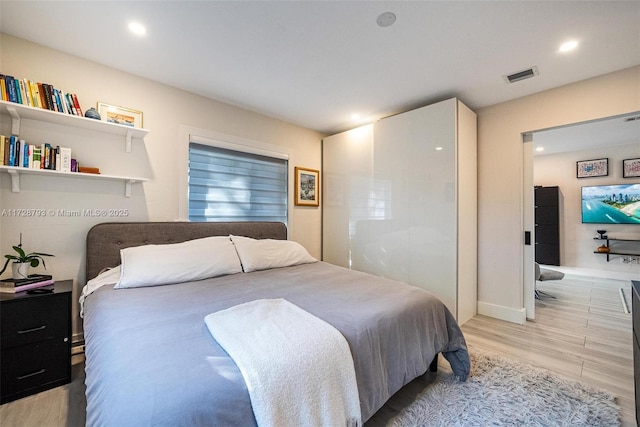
{"x":227,"y":185}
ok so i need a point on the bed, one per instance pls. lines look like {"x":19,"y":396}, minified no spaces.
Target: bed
{"x":150,"y":359}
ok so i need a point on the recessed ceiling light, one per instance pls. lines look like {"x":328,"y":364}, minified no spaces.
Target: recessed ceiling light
{"x":137,"y":28}
{"x":386,"y":19}
{"x":355,"y":116}
{"x":568,"y":46}
{"x":539,"y":149}
{"x":438,"y":148}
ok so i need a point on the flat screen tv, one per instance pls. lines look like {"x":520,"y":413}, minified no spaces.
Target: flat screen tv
{"x":611,"y":204}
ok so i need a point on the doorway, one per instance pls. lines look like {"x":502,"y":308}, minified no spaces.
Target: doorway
{"x":614,"y":138}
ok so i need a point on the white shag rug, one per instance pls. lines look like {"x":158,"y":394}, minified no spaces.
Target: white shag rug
{"x":503,"y":392}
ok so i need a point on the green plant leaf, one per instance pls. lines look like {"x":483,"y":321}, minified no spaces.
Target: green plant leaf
{"x":20,"y":251}
{"x":5,"y":264}
{"x":39,"y":254}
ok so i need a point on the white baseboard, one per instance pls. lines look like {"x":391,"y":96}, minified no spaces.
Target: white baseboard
{"x":513,"y":315}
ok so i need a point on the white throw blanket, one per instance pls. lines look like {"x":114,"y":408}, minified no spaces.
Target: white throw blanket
{"x":298,"y":368}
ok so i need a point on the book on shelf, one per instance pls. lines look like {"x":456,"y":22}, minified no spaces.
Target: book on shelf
{"x":2,"y":143}
{"x":38,"y":95}
{"x":5,"y":153}
{"x":19,"y":153}
{"x":70,"y":108}
{"x":24,"y":87}
{"x":47,"y":96}
{"x":52,"y":94}
{"x":77,"y":104}
{"x":11,"y":88}
{"x":65,"y":159}
{"x":47,"y":156}
{"x":13,"y":142}
{"x":3,"y":88}
{"x":35,"y":163}
{"x":33,"y":281}
{"x":22,"y":149}
{"x":16,"y":83}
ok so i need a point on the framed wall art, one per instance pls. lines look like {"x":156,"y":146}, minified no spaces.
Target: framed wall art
{"x":307,"y":187}
{"x":120,"y":115}
{"x":631,"y":168}
{"x":592,"y":168}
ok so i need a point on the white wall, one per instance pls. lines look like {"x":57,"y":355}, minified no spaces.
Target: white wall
{"x":500,"y":173}
{"x":167,"y":112}
{"x":576,"y":239}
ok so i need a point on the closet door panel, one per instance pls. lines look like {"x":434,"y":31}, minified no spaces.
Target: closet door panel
{"x":347,"y":178}
{"x":388,"y":238}
{"x":416,"y":152}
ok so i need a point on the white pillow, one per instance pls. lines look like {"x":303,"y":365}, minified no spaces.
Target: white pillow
{"x":263,"y":254}
{"x":153,"y":265}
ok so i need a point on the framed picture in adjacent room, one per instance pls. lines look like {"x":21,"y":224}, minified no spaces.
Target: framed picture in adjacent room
{"x":307,"y":187}
{"x":120,"y":115}
{"x":631,"y":168}
{"x":592,"y":168}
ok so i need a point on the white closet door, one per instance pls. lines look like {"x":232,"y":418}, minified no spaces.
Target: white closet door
{"x":416,"y":152}
{"x":347,"y":178}
{"x":400,"y":201}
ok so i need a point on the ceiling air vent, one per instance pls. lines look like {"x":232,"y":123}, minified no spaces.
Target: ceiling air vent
{"x":521,"y":75}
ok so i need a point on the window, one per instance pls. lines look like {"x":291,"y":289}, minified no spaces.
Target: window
{"x":228,"y":185}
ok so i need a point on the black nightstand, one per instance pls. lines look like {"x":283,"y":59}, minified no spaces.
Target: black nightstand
{"x":35,"y":341}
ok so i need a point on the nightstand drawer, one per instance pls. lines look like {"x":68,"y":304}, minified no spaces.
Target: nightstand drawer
{"x":34,"y":319}
{"x":35,"y":367}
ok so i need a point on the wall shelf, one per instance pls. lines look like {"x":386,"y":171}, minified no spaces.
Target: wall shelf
{"x":628,"y":253}
{"x":19,"y":112}
{"x":15,"y":173}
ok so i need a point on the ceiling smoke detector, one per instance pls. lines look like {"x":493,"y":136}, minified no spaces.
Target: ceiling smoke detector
{"x":521,"y":75}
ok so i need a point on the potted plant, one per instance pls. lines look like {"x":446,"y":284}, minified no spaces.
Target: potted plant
{"x":22,"y":261}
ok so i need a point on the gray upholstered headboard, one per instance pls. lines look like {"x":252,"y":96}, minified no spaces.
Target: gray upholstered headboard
{"x":105,"y":240}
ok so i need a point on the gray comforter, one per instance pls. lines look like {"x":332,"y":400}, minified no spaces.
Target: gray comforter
{"x":150,"y":359}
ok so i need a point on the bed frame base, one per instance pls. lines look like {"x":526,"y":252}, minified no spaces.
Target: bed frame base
{"x":433,"y":367}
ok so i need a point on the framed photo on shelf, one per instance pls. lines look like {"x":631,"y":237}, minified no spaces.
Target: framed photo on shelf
{"x":592,"y":168}
{"x":120,"y":115}
{"x":631,"y":168}
{"x":307,"y":187}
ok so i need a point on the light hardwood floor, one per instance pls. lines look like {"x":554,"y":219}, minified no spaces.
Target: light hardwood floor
{"x":583,"y":334}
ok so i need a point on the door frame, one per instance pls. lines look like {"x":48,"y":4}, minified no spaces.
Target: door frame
{"x":528,"y":270}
